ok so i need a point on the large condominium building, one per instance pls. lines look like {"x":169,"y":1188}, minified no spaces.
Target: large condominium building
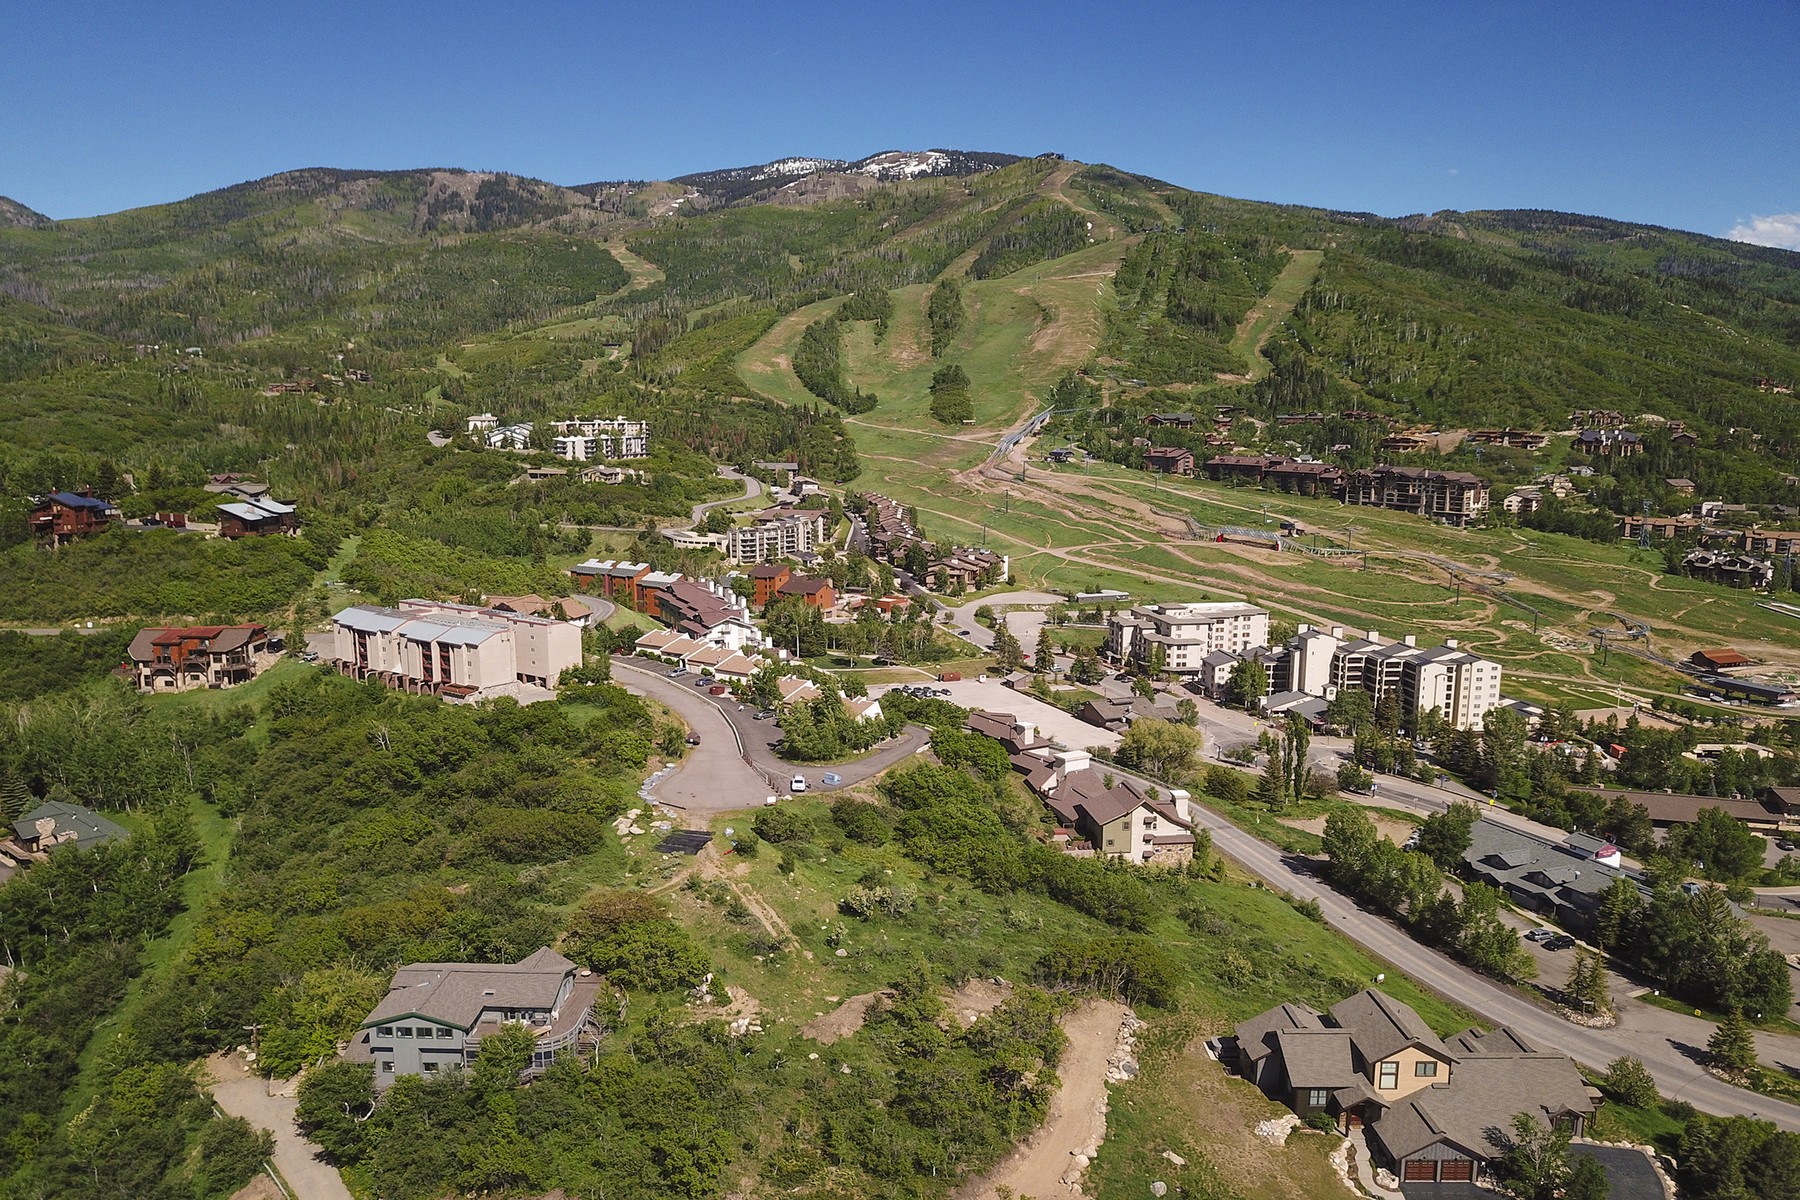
{"x":777,"y":533}
{"x":1453,"y":497}
{"x":582,"y":438}
{"x":1185,"y":633}
{"x":453,"y":650}
{"x":1459,"y":686}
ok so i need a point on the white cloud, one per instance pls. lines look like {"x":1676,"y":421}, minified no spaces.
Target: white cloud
{"x":1452,"y":171}
{"x":1780,"y":229}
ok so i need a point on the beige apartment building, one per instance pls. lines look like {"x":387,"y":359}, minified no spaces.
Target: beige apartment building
{"x":1185,"y":633}
{"x":457,"y":651}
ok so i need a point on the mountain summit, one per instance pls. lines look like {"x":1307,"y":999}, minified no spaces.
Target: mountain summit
{"x":14,"y":215}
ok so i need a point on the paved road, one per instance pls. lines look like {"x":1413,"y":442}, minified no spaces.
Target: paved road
{"x":244,"y":1095}
{"x":1663,"y":1040}
{"x":752,"y":489}
{"x":733,"y":768}
{"x":1024,"y":624}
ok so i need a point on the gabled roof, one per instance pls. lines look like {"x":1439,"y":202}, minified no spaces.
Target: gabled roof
{"x":1316,"y":1058}
{"x":456,"y":993}
{"x":1382,"y":1026}
{"x":262,"y":509}
{"x":1256,"y":1036}
{"x":1474,"y":1112}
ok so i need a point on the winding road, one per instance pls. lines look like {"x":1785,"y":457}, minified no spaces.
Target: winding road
{"x":733,"y":768}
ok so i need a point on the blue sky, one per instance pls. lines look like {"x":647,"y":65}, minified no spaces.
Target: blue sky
{"x":1675,"y":114}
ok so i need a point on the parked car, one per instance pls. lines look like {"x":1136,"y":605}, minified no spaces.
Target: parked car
{"x":944,"y":692}
{"x":1561,"y":941}
{"x":1785,"y":845}
{"x":797,"y":784}
{"x":693,"y":739}
{"x":1540,"y":935}
{"x":678,"y":672}
{"x":831,"y":779}
{"x":765,"y":714}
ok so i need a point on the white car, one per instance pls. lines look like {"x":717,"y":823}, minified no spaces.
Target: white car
{"x":1540,"y":935}
{"x":798,"y":784}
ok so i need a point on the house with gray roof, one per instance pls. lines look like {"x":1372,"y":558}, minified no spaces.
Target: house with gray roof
{"x":1435,"y":1109}
{"x":1562,"y":881}
{"x":435,"y":1015}
{"x":53,"y":823}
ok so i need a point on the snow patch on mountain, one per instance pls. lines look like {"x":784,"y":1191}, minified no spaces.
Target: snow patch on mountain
{"x":903,"y":164}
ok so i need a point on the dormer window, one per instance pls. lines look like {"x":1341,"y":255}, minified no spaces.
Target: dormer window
{"x":1387,"y":1076}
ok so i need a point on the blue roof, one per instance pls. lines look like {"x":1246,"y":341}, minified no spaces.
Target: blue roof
{"x":71,"y":500}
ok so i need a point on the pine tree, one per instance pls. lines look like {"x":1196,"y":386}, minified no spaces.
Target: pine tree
{"x":1043,"y":659}
{"x":1272,"y":788}
{"x":1732,"y":1046}
{"x":15,"y":798}
{"x":1587,"y":982}
{"x":1009,"y":656}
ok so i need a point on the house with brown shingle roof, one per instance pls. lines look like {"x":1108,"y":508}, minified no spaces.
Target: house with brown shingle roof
{"x":164,"y":659}
{"x":435,"y":1015}
{"x":1436,"y":1110}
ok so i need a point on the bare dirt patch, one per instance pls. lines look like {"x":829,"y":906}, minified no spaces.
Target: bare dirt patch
{"x":844,"y":1020}
{"x":1046,"y":1165}
{"x":1395,"y":831}
{"x":977,"y":998}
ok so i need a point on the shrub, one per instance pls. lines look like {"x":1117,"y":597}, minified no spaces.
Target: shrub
{"x":778,"y":825}
{"x":1133,"y":968}
{"x":630,"y":938}
{"x":1629,"y":1082}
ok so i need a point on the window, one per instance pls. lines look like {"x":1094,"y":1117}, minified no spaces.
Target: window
{"x":385,"y":1031}
{"x":1389,"y":1077}
{"x":387,"y":1066}
{"x":429,"y":1067}
{"x":443,"y":1033}
{"x":1317,"y":1097}
{"x":404,"y":1031}
{"x":1425,"y":1070}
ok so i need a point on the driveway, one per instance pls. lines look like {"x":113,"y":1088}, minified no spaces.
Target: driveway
{"x":733,"y":767}
{"x":1629,"y":1175}
{"x":242,"y":1094}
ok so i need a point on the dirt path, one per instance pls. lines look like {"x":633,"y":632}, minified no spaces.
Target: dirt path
{"x":711,"y":866}
{"x":1045,"y":1167}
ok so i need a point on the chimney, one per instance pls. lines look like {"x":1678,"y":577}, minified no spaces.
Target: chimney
{"x":1070,"y":762}
{"x":1411,"y":639}
{"x":1337,"y":631}
{"x":1180,"y":800}
{"x":1450,"y":642}
{"x":1027,"y":731}
{"x":1374,"y":635}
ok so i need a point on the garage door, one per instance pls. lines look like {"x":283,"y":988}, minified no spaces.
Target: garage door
{"x":1458,"y":1170}
{"x":1420,"y":1170}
